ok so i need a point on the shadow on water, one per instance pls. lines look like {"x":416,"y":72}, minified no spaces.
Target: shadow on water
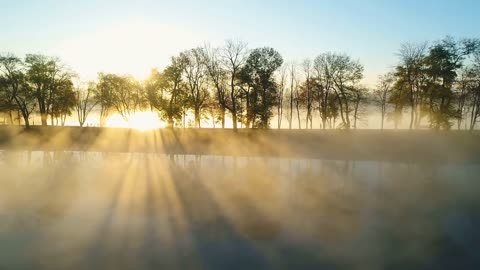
{"x":71,"y":210}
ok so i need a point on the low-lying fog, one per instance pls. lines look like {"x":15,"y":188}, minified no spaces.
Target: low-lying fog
{"x":71,"y":210}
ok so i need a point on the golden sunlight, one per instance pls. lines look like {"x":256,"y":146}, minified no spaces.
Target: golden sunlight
{"x":138,"y":120}
{"x":123,"y":48}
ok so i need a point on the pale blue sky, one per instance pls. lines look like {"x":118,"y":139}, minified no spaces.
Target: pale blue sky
{"x":133,"y":36}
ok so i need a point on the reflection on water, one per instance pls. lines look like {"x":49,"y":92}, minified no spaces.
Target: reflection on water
{"x":69,"y":210}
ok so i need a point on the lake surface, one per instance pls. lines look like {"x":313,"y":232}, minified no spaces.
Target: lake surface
{"x":74,"y":210}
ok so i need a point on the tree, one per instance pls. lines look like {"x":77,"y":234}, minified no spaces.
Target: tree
{"x":324,"y":76}
{"x":104,"y":97}
{"x":293,"y":89}
{"x":359,"y":95}
{"x":281,"y":94}
{"x":85,"y":101}
{"x":217,"y":78}
{"x":166,"y":91}
{"x":411,"y":77}
{"x":443,"y":61}
{"x":7,"y":102}
{"x":47,"y":76}
{"x":195,"y":76}
{"x":346,"y":73}
{"x":474,"y":90}
{"x":122,"y":94}
{"x":63,"y":102}
{"x":307,"y":91}
{"x":14,"y":85}
{"x":258,"y":72}
{"x":233,"y":56}
{"x":382,"y":93}
{"x":332,"y":111}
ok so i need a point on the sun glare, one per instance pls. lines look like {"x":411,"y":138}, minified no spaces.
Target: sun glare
{"x":140,"y":121}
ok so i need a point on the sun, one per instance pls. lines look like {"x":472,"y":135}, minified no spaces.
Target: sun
{"x":140,"y":120}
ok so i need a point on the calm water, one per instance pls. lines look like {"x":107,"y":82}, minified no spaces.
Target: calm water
{"x":134,"y":211}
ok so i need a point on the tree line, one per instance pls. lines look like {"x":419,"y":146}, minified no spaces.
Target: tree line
{"x":436,"y":83}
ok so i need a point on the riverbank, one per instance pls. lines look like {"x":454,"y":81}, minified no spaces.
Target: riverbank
{"x":383,"y":145}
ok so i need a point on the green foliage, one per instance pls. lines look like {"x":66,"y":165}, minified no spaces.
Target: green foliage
{"x":16,"y":92}
{"x":121,"y":94}
{"x":258,"y":74}
{"x":438,"y":83}
{"x":426,"y":80}
{"x":166,"y":91}
{"x":52,"y":85}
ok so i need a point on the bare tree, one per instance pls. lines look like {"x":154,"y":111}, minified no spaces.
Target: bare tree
{"x":85,"y":102}
{"x":195,"y":77}
{"x":298,"y":101}
{"x":124,"y":94}
{"x":382,"y":93}
{"x":324,"y":76}
{"x":307,"y":96}
{"x":411,"y":75}
{"x":234,"y":56}
{"x":281,"y":94}
{"x":218,"y":78}
{"x":346,"y":74}
{"x":292,"y":89}
{"x":359,"y":95}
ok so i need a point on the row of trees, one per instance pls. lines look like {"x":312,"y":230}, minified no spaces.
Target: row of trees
{"x":38,"y":83}
{"x":439,"y":83}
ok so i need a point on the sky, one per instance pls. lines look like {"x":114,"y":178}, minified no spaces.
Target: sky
{"x":132,"y":37}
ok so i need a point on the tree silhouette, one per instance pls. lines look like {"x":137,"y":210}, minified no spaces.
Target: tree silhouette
{"x":166,"y":91}
{"x":85,"y":101}
{"x":195,"y":71}
{"x":233,"y":56}
{"x":382,"y":94}
{"x":346,"y":74}
{"x":15,"y":86}
{"x":258,"y":72}
{"x":48,"y":79}
{"x":437,"y":83}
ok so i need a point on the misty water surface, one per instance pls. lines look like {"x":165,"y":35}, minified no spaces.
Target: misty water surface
{"x":71,"y":210}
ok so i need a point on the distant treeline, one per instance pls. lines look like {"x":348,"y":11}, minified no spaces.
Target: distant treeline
{"x":436,"y":83}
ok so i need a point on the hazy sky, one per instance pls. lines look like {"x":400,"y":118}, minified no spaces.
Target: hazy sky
{"x":134,"y":36}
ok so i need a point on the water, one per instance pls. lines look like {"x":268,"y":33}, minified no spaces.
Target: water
{"x":72,"y":210}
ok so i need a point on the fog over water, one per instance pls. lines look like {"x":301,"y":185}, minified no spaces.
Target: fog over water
{"x":77,"y":210}
{"x":369,"y":118}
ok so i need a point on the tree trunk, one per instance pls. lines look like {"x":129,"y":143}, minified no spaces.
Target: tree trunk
{"x":383,"y":117}
{"x":298,"y":116}
{"x":43,"y":117}
{"x":197,"y":117}
{"x":234,"y":119}
{"x":223,"y":116}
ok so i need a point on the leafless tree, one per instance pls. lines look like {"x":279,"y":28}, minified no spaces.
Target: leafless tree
{"x":410,"y":70}
{"x":382,"y":93}
{"x":346,"y":74}
{"x":292,"y":90}
{"x":281,"y":94}
{"x":195,"y":77}
{"x":85,"y":102}
{"x":217,"y":77}
{"x":307,"y":91}
{"x":324,"y":76}
{"x":233,"y":56}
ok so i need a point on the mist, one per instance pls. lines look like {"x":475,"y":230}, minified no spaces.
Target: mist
{"x":218,"y":199}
